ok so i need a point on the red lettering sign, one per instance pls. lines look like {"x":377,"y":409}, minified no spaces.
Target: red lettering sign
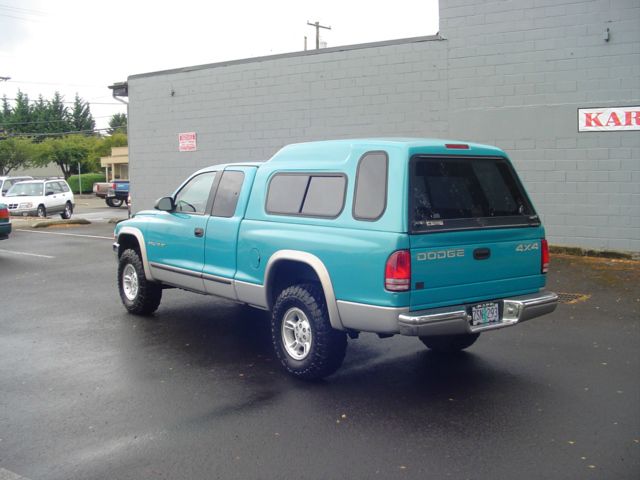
{"x":608,"y":119}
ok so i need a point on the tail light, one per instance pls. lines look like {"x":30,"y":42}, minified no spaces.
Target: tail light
{"x":113,"y":185}
{"x":4,"y":213}
{"x":545,"y":256}
{"x":397,"y":272}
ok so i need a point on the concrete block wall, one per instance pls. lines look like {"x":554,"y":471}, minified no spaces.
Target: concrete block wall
{"x":509,"y":72}
{"x":246,"y":111}
{"x":518,"y":72}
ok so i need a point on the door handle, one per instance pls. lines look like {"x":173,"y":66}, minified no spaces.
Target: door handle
{"x":481,"y":253}
{"x":198,"y":232}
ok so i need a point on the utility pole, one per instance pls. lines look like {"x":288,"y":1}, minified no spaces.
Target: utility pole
{"x":317,"y":27}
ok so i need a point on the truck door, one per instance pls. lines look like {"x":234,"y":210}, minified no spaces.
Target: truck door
{"x":220,"y":257}
{"x":175,"y":243}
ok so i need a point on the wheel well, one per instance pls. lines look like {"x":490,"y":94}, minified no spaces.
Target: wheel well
{"x":127,"y":241}
{"x":286,"y":273}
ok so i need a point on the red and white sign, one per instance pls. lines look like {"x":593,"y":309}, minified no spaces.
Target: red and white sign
{"x":608,"y":119}
{"x":187,"y":142}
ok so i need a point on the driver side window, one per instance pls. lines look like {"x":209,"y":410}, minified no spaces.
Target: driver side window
{"x":193,"y":197}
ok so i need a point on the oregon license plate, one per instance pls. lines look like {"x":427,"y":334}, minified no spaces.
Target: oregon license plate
{"x":485,"y":313}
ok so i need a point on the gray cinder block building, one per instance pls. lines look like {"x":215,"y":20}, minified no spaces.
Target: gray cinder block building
{"x":516,"y":74}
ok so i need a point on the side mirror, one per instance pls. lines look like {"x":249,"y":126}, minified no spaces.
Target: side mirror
{"x":165,"y":204}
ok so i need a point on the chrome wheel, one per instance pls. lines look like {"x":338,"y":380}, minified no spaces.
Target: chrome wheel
{"x":296,"y":334}
{"x":130,"y":282}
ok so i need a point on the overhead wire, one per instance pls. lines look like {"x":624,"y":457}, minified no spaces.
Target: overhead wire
{"x":56,"y":134}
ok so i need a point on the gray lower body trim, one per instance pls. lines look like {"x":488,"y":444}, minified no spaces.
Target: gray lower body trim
{"x":177,"y":277}
{"x":251,"y":294}
{"x":370,"y":318}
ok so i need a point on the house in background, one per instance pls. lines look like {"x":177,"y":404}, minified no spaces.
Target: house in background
{"x":116,"y":166}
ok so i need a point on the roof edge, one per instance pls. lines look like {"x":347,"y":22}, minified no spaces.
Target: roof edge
{"x":302,"y":53}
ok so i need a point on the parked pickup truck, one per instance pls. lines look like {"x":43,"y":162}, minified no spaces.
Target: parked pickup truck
{"x":416,"y":237}
{"x":117,"y":193}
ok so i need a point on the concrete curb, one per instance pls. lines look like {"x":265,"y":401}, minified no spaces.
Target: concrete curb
{"x":583,"y":252}
{"x":50,"y":223}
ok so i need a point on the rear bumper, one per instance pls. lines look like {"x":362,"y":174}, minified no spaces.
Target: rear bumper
{"x":456,"y":320}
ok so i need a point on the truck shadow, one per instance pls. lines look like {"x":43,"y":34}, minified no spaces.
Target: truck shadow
{"x":394,"y":379}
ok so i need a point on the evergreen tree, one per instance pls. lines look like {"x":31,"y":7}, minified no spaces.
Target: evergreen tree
{"x":81,"y":118}
{"x":118,"y":124}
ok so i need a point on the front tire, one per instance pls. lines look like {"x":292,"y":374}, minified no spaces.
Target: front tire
{"x":68,"y":210}
{"x":449,"y":343}
{"x":302,"y":336}
{"x":139,"y":296}
{"x":42,"y":211}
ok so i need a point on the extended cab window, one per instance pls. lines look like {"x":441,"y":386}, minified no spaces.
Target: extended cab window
{"x":193,"y":197}
{"x":450,"y":193}
{"x":311,"y":195}
{"x":227,"y":194}
{"x":371,"y":186}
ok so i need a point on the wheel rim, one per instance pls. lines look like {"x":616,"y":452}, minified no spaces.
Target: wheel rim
{"x":296,"y":334}
{"x":67,"y":210}
{"x":130,"y":282}
{"x":41,"y":212}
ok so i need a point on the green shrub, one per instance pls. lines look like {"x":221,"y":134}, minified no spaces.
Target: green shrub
{"x":88,"y":179}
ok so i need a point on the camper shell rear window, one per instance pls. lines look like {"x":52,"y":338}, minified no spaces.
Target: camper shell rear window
{"x":465,"y":192}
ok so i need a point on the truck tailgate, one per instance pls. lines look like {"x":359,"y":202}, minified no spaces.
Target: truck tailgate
{"x":461,"y":267}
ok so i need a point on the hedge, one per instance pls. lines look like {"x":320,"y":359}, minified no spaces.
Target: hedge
{"x":88,"y":179}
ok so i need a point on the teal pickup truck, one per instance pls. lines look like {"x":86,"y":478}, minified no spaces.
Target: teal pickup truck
{"x":419,"y":237}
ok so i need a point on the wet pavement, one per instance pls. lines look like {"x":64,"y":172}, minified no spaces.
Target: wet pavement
{"x":90,"y":392}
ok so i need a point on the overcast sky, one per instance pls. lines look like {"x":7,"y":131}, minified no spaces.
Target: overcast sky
{"x":83,"y":46}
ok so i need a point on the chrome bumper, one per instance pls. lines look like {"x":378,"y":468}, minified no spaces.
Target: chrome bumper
{"x":456,"y":320}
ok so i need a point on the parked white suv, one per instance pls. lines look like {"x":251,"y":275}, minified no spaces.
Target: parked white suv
{"x":7,"y":182}
{"x":41,"y":198}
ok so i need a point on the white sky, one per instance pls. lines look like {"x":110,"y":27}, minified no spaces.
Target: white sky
{"x":83,"y":46}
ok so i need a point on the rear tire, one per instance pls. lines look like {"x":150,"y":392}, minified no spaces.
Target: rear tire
{"x":68,"y":210}
{"x":139,"y":296}
{"x":114,"y":202}
{"x":302,"y":336}
{"x":449,"y":343}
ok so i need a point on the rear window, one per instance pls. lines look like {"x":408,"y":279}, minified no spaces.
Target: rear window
{"x":450,"y":193}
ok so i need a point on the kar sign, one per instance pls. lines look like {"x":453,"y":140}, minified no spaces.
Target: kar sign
{"x":608,"y":119}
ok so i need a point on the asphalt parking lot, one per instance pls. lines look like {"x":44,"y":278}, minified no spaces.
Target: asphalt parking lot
{"x":194,"y":392}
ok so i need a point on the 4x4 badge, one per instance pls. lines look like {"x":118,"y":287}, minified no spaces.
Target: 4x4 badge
{"x":525,"y":247}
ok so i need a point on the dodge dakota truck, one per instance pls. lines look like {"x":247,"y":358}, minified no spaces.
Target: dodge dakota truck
{"x":419,"y":237}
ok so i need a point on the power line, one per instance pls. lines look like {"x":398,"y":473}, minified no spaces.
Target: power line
{"x":59,"y":84}
{"x":86,"y":101}
{"x":12,"y":124}
{"x":57,"y":134}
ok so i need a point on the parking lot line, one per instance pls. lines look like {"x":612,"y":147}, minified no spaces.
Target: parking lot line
{"x":28,"y":254}
{"x":64,"y":234}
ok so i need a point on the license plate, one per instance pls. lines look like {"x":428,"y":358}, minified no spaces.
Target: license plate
{"x":485,"y":314}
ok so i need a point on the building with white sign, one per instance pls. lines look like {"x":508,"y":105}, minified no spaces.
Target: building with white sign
{"x":554,"y":83}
